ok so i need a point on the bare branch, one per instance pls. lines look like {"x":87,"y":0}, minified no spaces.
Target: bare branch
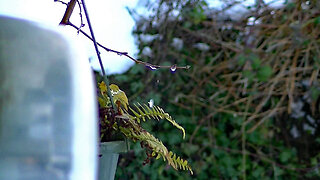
{"x":67,"y":14}
{"x":66,"y":21}
{"x":149,"y":65}
{"x":80,"y":13}
{"x":61,"y":2}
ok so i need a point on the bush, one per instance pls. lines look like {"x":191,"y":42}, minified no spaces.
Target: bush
{"x":250,"y":101}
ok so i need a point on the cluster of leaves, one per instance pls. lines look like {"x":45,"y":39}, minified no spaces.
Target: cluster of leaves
{"x":238,"y":102}
{"x":129,"y":125}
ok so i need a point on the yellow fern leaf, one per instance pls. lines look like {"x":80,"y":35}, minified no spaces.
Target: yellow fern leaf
{"x":119,"y":96}
{"x":144,"y":111}
{"x":103,"y":87}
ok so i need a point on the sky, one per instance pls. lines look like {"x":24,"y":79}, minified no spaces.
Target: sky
{"x":110,"y":20}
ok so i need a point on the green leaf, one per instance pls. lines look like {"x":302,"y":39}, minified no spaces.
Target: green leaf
{"x":248,"y":74}
{"x":255,"y":138}
{"x":314,"y":161}
{"x":255,"y":62}
{"x":242,"y":60}
{"x":278,"y":171}
{"x":291,"y":5}
{"x":122,"y":78}
{"x":315,"y":92}
{"x":136,"y":69}
{"x":190,"y":149}
{"x":285,"y":156}
{"x":258,"y":172}
{"x":264,"y":73}
{"x":187,"y":24}
{"x":317,"y":20}
{"x":135,"y":86}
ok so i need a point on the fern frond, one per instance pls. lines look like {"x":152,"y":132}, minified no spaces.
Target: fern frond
{"x":134,"y":131}
{"x":144,"y":112}
{"x":179,"y":162}
{"x":129,"y":125}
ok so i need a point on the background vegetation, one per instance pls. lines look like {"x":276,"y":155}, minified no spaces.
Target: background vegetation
{"x":250,"y":101}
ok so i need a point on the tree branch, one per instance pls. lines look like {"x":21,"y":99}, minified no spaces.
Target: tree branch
{"x":61,"y":2}
{"x":67,"y":14}
{"x":149,"y":65}
{"x":66,"y":21}
{"x":80,"y":13}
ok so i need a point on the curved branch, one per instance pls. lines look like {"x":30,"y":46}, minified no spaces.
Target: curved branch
{"x":65,"y":21}
{"x":149,"y":65}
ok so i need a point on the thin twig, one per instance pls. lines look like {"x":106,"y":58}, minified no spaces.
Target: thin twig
{"x":292,"y":80}
{"x":98,"y":53}
{"x":61,"y":2}
{"x":66,"y":21}
{"x":80,"y":13}
{"x":149,"y":65}
{"x":93,"y":37}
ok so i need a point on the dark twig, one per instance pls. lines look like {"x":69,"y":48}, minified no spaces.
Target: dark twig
{"x":66,"y":21}
{"x":70,"y":7}
{"x":67,"y":14}
{"x":149,"y":65}
{"x":93,"y":38}
{"x":81,"y":19}
{"x":97,"y":52}
{"x":61,"y":2}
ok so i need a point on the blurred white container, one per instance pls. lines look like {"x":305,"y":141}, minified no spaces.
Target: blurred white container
{"x":48,"y":119}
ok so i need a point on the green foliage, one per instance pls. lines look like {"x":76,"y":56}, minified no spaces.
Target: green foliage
{"x":129,"y":125}
{"x":155,"y":112}
{"x":132,"y":130}
{"x":264,"y":73}
{"x":237,"y":100}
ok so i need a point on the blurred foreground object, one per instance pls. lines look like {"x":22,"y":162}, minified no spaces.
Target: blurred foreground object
{"x":48,"y":119}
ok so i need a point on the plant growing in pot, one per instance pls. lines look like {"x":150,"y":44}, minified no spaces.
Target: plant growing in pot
{"x":120,"y":121}
{"x":126,"y":120}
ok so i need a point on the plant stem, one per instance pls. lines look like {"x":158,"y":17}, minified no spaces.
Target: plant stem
{"x":93,"y":37}
{"x":105,"y":78}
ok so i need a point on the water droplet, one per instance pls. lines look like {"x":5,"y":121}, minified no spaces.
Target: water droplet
{"x":173,"y":68}
{"x":151,"y":102}
{"x":120,"y":54}
{"x":152,"y":67}
{"x":158,"y":81}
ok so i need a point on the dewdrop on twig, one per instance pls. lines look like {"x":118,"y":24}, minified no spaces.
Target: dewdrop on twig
{"x":173,"y":68}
